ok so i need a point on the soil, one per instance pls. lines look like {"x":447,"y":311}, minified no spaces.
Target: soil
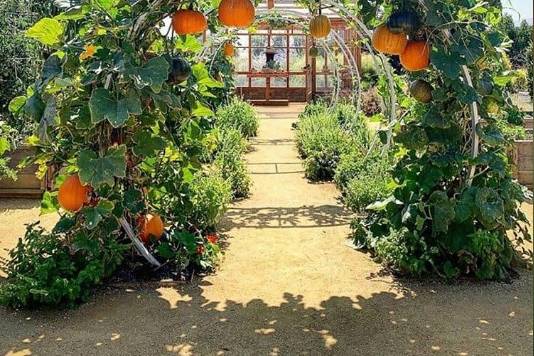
{"x":288,"y":284}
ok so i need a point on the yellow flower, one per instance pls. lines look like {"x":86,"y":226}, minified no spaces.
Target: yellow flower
{"x":88,"y":53}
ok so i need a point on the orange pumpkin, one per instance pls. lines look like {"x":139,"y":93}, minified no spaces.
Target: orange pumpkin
{"x":229,"y":49}
{"x":388,"y":42}
{"x":72,"y":194}
{"x":185,"y":22}
{"x":150,"y":225}
{"x":237,"y":13}
{"x":416,"y":56}
{"x":320,"y":26}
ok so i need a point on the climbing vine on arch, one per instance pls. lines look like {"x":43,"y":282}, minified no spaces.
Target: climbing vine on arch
{"x":455,"y":208}
{"x":455,"y":199}
{"x":124,"y":108}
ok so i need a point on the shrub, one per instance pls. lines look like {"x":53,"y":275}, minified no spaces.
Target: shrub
{"x":209,"y":146}
{"x":370,"y":102}
{"x":363,"y":178}
{"x":238,"y":115}
{"x":210,"y":196}
{"x":5,"y":146}
{"x":321,"y":142}
{"x":350,"y":120}
{"x":530,"y":68}
{"x":45,"y":269}
{"x":365,"y":189}
{"x":369,"y":72}
{"x":230,"y":163}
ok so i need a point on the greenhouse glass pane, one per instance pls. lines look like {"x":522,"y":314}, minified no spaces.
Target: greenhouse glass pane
{"x":297,"y":81}
{"x":297,"y":41}
{"x":241,"y":80}
{"x":259,"y":41}
{"x":241,"y":59}
{"x":320,"y":81}
{"x":279,"y":82}
{"x":297,"y":59}
{"x":279,"y":41}
{"x":258,"y":58}
{"x":242,"y":40}
{"x":258,"y":82}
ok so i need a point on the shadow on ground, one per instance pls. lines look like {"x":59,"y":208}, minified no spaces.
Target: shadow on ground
{"x":279,"y":217}
{"x":462,"y":320}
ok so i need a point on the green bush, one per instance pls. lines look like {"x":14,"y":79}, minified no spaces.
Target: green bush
{"x":363,"y":178}
{"x":230,"y":162}
{"x":238,"y":115}
{"x":369,"y":71}
{"x":366,"y":189}
{"x":45,"y":269}
{"x":321,"y":141}
{"x":210,"y":196}
{"x":530,"y":68}
{"x":5,"y":146}
{"x":326,"y":133}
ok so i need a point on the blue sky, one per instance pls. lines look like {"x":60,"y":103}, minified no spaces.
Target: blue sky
{"x":523,"y":9}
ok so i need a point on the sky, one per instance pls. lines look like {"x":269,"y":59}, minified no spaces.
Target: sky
{"x":522,"y":9}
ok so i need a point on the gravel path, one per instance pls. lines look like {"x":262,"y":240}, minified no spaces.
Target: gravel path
{"x":288,"y":285}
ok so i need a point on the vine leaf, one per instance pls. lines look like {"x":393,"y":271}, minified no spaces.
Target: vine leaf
{"x":448,"y":63}
{"x":97,"y":171}
{"x":47,"y":31}
{"x":442,"y":211}
{"x":147,"y":144}
{"x":94,"y":215}
{"x":153,"y":74}
{"x":490,"y":207}
{"x":104,"y":106}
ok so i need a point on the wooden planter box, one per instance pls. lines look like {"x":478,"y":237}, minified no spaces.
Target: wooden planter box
{"x":523,"y":159}
{"x":27,"y":184}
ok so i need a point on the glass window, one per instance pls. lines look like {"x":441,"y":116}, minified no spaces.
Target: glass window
{"x":258,"y":58}
{"x":297,"y":41}
{"x":258,"y":82}
{"x":241,"y":60}
{"x":242,"y":41}
{"x":278,"y":82}
{"x":241,"y":80}
{"x":297,"y":59}
{"x":281,"y":58}
{"x":297,"y":81}
{"x":279,"y":41}
{"x":320,"y":81}
{"x":258,"y":40}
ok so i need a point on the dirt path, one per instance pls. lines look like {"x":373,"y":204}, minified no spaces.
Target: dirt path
{"x":288,"y":285}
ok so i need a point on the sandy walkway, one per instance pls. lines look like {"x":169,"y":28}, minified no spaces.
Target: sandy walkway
{"x":288,"y":285}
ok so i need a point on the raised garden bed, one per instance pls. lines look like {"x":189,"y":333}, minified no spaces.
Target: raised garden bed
{"x":523,"y":158}
{"x":27,"y":184}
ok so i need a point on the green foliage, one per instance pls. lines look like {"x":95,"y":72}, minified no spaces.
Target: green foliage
{"x":210,"y":196}
{"x":6,"y":132}
{"x":530,"y":69}
{"x":451,"y":210}
{"x":229,"y":161}
{"x":521,"y":37}
{"x":108,"y":109}
{"x":20,"y":56}
{"x":363,"y":178}
{"x":325,"y":134}
{"x":51,"y":269}
{"x":240,"y":115}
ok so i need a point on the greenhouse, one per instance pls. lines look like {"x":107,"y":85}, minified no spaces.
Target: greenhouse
{"x":281,"y":177}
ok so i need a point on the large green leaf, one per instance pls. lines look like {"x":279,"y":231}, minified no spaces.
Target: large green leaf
{"x":104,"y":106}
{"x":490,"y":207}
{"x":97,"y":171}
{"x":153,"y":74}
{"x":94,"y":215}
{"x":146,"y":143}
{"x":47,"y":31}
{"x":442,"y":211}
